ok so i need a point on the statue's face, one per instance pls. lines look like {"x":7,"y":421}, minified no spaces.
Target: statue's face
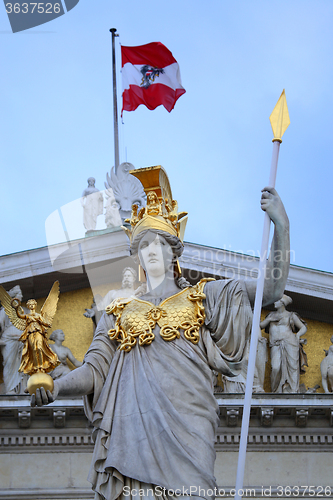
{"x":128,"y":279}
{"x":278,"y":304}
{"x":31,"y":304}
{"x":61,"y":336}
{"x":19,"y":295}
{"x":155,"y":254}
{"x":151,"y":197}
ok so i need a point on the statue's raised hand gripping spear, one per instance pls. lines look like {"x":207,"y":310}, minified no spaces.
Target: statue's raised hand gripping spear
{"x":37,"y":357}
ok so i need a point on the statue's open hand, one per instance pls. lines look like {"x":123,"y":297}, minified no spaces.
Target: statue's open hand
{"x":272,"y":204}
{"x":43,"y":397}
{"x":90,"y":313}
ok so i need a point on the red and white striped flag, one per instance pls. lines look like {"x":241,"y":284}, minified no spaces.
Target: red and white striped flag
{"x":151,"y":77}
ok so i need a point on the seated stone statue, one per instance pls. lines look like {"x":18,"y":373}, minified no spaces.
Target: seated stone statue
{"x":287,"y":355}
{"x":147,"y":378}
{"x":127,"y":290}
{"x":63,"y":354}
{"x":326,"y":369}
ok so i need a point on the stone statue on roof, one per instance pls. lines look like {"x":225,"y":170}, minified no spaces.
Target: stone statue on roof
{"x":92,"y":203}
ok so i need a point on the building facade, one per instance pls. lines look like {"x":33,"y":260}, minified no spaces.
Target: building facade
{"x":45,"y":452}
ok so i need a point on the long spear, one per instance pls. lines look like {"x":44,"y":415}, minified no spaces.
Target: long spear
{"x":279,"y":121}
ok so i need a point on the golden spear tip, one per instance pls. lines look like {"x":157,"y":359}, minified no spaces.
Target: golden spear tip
{"x":280,"y":118}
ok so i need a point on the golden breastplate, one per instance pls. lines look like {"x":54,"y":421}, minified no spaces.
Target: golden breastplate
{"x":136,"y":319}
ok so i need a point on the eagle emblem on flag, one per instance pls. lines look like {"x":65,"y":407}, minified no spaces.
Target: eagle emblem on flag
{"x":151,"y":77}
{"x":149,"y":73}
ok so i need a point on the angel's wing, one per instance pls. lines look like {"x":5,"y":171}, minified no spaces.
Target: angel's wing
{"x":50,"y":305}
{"x":6,"y":299}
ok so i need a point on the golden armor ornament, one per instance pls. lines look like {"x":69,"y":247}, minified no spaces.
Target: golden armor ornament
{"x":37,"y":357}
{"x":136,"y":318}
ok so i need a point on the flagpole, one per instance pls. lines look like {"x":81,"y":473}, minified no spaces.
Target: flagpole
{"x":115,"y":105}
{"x":279,"y":120}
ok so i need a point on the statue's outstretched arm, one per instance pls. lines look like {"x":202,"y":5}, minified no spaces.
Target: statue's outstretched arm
{"x":20,"y":312}
{"x":79,"y":382}
{"x":277,"y":267}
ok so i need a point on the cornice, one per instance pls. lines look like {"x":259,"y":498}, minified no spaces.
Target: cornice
{"x":298,"y":423}
{"x":219,"y":262}
{"x":206,"y":260}
{"x":75,"y":263}
{"x":47,"y":494}
{"x":63,"y":257}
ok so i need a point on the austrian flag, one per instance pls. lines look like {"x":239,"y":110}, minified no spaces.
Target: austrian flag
{"x":151,"y":77}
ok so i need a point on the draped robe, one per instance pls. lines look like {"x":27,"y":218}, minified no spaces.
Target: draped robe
{"x":287,"y":354}
{"x":11,"y":353}
{"x":153,"y":408}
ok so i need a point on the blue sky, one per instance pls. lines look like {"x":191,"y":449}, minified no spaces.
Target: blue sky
{"x":235,"y":59}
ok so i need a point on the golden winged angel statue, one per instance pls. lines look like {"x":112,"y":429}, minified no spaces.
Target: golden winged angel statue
{"x":37,"y":357}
